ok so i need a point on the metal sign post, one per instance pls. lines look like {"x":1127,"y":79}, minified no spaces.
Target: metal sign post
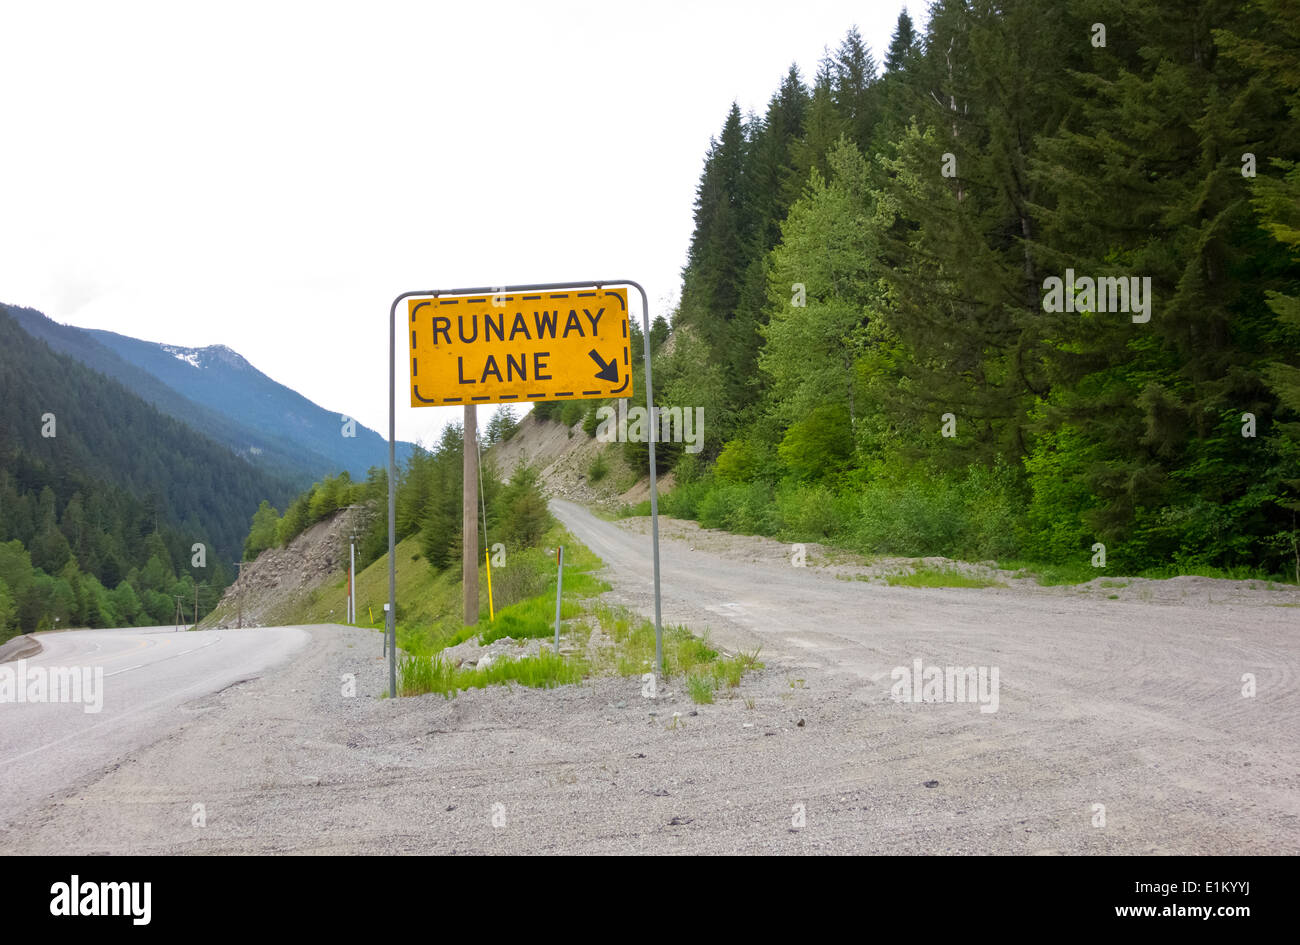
{"x":559,"y":593}
{"x":499,"y":378}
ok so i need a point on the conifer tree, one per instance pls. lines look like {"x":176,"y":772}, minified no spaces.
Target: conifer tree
{"x":1145,"y":183}
{"x":902,"y":45}
{"x":720,"y":245}
{"x":853,"y":87}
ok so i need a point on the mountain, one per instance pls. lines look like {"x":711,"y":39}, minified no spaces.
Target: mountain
{"x":298,"y":465}
{"x":218,"y":393}
{"x":103,"y":498}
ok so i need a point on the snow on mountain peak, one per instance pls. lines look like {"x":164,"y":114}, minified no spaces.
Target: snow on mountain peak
{"x":188,"y":355}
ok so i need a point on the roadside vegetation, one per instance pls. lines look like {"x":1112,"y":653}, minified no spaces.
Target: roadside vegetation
{"x":878,"y":348}
{"x":596,"y":639}
{"x":423,"y":674}
{"x":939,"y":577}
{"x":977,"y":516}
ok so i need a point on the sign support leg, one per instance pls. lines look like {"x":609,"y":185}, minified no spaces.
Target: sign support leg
{"x":654,"y":479}
{"x":390,"y":625}
{"x":469,"y":517}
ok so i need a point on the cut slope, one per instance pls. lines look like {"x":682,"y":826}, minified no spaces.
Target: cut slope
{"x":563,"y":456}
{"x":272,"y":590}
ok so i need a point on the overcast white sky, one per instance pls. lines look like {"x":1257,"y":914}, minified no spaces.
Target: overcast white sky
{"x":270,"y":175}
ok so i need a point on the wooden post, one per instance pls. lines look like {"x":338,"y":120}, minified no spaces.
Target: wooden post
{"x":469,"y":517}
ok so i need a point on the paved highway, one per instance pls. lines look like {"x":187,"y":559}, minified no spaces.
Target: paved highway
{"x":147,"y":677}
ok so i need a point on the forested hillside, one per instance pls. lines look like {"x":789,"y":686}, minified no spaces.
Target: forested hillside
{"x":103,"y":498}
{"x":869,"y":316}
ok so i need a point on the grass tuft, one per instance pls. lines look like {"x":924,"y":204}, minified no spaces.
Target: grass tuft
{"x":700,"y":688}
{"x":940,"y":577}
{"x":424,"y":674}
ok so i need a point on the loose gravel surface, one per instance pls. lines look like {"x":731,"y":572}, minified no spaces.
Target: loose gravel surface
{"x":1121,"y":727}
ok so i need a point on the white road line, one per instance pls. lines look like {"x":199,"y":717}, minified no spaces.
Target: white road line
{"x":164,"y":659}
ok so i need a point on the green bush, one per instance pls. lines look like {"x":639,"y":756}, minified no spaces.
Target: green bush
{"x":916,"y":518}
{"x":522,"y":577}
{"x":590,"y":420}
{"x":689,"y":468}
{"x":528,"y":619}
{"x":971,"y":516}
{"x":1060,"y":498}
{"x":819,"y":445}
{"x":547,"y":410}
{"x":424,"y":674}
{"x":640,"y":508}
{"x":746,"y":508}
{"x":740,"y":461}
{"x":701,"y":689}
{"x":502,"y":426}
{"x":598,"y":469}
{"x":813,"y":513}
{"x":684,"y":501}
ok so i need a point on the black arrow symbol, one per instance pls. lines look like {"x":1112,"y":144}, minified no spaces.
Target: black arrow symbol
{"x":608,"y":369}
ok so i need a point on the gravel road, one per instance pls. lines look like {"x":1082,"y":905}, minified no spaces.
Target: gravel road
{"x":1121,"y":727}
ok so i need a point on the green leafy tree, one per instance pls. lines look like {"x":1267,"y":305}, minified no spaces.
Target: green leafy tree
{"x":817,"y":332}
{"x":126,"y":603}
{"x":721,"y":246}
{"x":441,"y":519}
{"x":904,"y":46}
{"x":823,"y":125}
{"x":816,"y":447}
{"x":8,"y":612}
{"x":264,"y":532}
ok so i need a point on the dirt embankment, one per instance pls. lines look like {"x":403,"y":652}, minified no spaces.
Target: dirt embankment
{"x":564,"y":456}
{"x":278,"y":581}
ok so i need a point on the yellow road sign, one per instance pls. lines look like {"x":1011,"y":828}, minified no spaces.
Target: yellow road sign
{"x":521,"y":347}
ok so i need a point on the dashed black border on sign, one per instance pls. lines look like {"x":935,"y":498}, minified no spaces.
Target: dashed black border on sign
{"x":610,"y":293}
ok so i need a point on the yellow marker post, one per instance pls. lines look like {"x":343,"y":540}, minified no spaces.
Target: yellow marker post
{"x":491,"y":612}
